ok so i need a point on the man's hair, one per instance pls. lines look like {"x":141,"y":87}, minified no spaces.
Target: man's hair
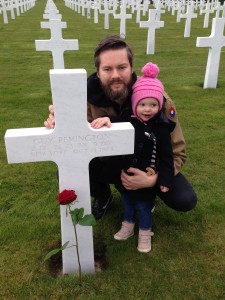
{"x":112,"y":42}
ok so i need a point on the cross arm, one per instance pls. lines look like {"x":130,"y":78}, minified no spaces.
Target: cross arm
{"x":21,"y":144}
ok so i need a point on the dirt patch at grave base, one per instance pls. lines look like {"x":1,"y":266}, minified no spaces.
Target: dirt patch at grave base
{"x":100,"y":257}
{"x":55,"y":265}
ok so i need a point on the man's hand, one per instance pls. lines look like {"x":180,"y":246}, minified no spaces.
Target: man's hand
{"x":138,"y":180}
{"x":50,"y":122}
{"x":164,"y":189}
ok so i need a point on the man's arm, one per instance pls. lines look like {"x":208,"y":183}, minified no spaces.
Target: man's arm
{"x":94,"y":112}
{"x":138,"y":180}
{"x":177,"y":137}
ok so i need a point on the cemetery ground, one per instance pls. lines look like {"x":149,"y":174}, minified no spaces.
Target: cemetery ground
{"x":187,"y":260}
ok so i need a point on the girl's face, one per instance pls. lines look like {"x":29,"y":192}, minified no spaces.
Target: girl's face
{"x":147,"y":108}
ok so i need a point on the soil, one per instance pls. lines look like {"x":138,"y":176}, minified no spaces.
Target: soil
{"x":100,"y":257}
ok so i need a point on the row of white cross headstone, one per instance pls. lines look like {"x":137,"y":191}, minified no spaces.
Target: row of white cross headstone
{"x":190,"y":14}
{"x":215,"y":42}
{"x":15,"y":7}
{"x":57,"y":45}
{"x":143,"y":6}
{"x":186,"y":10}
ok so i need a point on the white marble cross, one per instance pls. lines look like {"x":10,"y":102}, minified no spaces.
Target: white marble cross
{"x":10,"y":7}
{"x":4,"y":11}
{"x":49,"y":10}
{"x":17,"y":7}
{"x":179,"y":8}
{"x":96,"y":7}
{"x":69,"y":4}
{"x":123,"y":16}
{"x":57,"y":45}
{"x":152,"y":24}
{"x":79,"y":4}
{"x":106,"y":13}
{"x":146,"y":4}
{"x":82,"y":8}
{"x":215,"y":42}
{"x":223,"y":14}
{"x":88,"y":5}
{"x":50,"y":5}
{"x":21,"y":6}
{"x":52,"y":14}
{"x":71,"y":145}
{"x":201,"y":6}
{"x":189,"y":15}
{"x":73,"y":5}
{"x":217,"y":9}
{"x":207,"y":11}
{"x":159,"y":10}
{"x":138,"y":7}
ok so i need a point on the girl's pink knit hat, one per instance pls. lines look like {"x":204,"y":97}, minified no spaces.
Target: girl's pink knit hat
{"x":147,"y":86}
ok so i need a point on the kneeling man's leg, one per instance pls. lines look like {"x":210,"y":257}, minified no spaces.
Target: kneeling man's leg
{"x":181,"y":196}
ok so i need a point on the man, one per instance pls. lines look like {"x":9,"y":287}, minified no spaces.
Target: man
{"x":109,"y":93}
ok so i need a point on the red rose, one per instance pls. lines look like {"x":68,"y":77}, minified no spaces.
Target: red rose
{"x":66,"y":197}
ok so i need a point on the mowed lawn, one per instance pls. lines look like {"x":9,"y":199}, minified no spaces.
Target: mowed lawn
{"x":187,"y":260}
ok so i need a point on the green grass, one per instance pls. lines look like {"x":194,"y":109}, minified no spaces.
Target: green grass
{"x":188,"y":256}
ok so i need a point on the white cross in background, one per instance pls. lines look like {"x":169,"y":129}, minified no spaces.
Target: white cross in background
{"x":96,"y":7}
{"x":189,"y":16}
{"x":215,"y":42}
{"x":152,"y":24}
{"x":207,"y":11}
{"x":51,"y":14}
{"x":123,"y":16}
{"x":4,"y":11}
{"x":57,"y":45}
{"x":106,"y":13}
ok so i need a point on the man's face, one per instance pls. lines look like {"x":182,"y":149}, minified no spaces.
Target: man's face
{"x":115,"y":74}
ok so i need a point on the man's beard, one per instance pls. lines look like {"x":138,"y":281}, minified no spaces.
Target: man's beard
{"x":117,"y":96}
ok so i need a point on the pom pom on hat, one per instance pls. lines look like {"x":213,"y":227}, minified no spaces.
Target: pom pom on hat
{"x":150,"y":70}
{"x":147,"y":86}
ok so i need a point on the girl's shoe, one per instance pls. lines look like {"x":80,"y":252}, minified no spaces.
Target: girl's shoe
{"x":126,"y":231}
{"x":144,"y":241}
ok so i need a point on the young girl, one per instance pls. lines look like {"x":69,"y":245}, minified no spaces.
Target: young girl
{"x":152,"y":153}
